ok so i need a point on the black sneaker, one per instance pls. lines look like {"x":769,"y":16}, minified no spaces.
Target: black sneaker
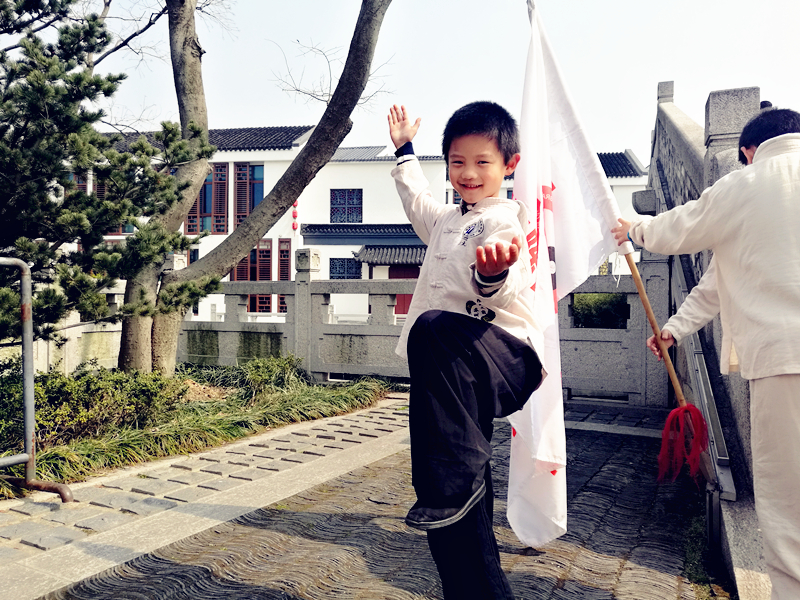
{"x":424,"y":518}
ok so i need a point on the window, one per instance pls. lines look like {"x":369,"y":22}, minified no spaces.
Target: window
{"x":256,"y":266}
{"x":510,"y":193}
{"x":346,"y":206}
{"x":456,"y":197}
{"x":210,"y":211}
{"x":249,"y":190}
{"x":345,"y":268}
{"x":284,"y":269}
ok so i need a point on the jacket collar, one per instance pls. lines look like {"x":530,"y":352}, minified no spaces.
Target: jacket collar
{"x":788,"y":142}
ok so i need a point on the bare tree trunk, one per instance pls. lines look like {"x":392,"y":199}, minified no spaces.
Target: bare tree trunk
{"x":166,"y":328}
{"x":186,"y":54}
{"x":326,"y":138}
{"x":135,"y":345}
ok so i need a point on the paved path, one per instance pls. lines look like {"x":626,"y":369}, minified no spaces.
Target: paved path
{"x":316,"y":510}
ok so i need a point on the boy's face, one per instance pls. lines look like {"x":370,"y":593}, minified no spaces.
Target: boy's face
{"x":477,"y":167}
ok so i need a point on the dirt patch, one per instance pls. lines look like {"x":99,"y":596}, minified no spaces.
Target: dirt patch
{"x":198,"y":392}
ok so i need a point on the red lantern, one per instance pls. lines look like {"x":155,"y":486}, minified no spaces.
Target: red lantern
{"x":295,"y":204}
{"x":294,"y":226}
{"x":294,"y":214}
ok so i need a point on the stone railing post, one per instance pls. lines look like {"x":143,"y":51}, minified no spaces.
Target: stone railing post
{"x":727,"y":112}
{"x":307,"y":262}
{"x":381,"y":307}
{"x":235,"y":308}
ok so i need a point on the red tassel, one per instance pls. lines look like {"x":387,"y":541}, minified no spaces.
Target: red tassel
{"x":673,"y":442}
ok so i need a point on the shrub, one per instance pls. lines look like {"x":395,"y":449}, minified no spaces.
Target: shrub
{"x":600,"y":311}
{"x":91,"y":402}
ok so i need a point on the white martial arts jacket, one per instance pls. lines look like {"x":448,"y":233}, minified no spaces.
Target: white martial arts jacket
{"x":751,"y":220}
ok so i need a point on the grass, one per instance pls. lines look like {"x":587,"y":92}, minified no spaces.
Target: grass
{"x":260,"y":395}
{"x":697,"y":561}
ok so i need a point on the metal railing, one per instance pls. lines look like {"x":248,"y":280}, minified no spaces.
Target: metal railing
{"x":723,"y":487}
{"x":28,"y":457}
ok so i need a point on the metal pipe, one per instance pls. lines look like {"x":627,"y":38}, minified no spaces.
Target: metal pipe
{"x":29,"y":410}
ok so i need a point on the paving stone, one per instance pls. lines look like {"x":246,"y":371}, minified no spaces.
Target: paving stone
{"x":105,"y":522}
{"x":283,"y":439}
{"x":300,"y":458}
{"x":272,"y":453}
{"x":24,"y":529}
{"x":35,"y":509}
{"x":293,"y":446}
{"x":321,"y":450}
{"x":7,"y":518}
{"x":159,"y":473}
{"x":149,"y":506}
{"x":348,"y":439}
{"x":71,"y":516}
{"x":249,"y":461}
{"x":124,"y":483}
{"x":117,"y":500}
{"x":216,"y":456}
{"x":326,"y":436}
{"x":87,"y":494}
{"x":190,"y":477}
{"x":277,"y":465}
{"x":193,"y":464}
{"x":189,"y":494}
{"x":302,"y":434}
{"x":221,"y":469}
{"x":222,"y":484}
{"x":156,"y":487}
{"x":53,"y":539}
{"x":337,"y":445}
{"x":251,"y":474}
{"x":9,"y":555}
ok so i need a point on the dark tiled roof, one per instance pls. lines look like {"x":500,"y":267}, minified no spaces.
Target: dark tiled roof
{"x":370,"y":154}
{"x":345,"y":234}
{"x":243,"y":138}
{"x":391,"y":255}
{"x":363,"y":228}
{"x":619,"y":164}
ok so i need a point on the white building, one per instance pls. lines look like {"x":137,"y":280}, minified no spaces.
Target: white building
{"x":350,"y":212}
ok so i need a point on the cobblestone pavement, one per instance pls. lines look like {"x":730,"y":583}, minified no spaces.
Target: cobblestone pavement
{"x":345,"y":537}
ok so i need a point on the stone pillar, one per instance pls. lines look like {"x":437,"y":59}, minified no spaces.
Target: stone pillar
{"x":727,"y":112}
{"x":307,"y":262}
{"x":381,"y":309}
{"x":666,"y":91}
{"x":235,"y":308}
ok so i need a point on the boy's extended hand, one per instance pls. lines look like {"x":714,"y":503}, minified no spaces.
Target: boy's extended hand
{"x":493,"y":259}
{"x":621,"y":231}
{"x":401,"y":129}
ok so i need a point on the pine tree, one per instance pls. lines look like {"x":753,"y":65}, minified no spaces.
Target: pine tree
{"x":48,"y":147}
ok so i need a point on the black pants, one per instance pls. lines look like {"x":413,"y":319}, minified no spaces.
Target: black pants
{"x":464,"y":374}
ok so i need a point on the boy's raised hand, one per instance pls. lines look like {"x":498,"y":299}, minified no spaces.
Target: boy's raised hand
{"x":493,"y":259}
{"x":401,"y":129}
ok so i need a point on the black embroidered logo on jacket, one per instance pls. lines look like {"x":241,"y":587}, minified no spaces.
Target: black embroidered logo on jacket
{"x":472,"y":230}
{"x":479,"y":311}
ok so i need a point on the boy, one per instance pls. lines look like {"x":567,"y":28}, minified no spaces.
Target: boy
{"x":468,"y":338}
{"x":750,"y":219}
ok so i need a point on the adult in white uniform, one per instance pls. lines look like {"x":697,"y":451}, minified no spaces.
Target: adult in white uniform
{"x":750,"y":219}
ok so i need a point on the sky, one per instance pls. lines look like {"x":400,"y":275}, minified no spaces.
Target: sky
{"x":437,"y":55}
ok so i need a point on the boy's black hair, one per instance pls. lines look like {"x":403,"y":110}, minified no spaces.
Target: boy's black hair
{"x":769,"y":123}
{"x":487,"y":119}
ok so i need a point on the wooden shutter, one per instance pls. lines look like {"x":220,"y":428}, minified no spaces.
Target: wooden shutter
{"x":220,"y":199}
{"x":242,"y":191}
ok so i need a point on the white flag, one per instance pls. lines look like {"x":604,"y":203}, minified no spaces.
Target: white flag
{"x":571,"y":210}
